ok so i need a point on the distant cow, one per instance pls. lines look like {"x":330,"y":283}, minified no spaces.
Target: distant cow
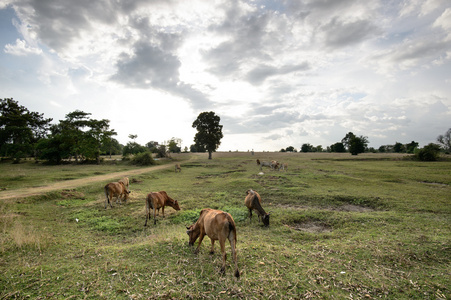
{"x":115,"y":189}
{"x":158,"y":200}
{"x":253,"y":202}
{"x":283,"y":166}
{"x":178,"y":168}
{"x":126,"y":183}
{"x":264,"y":164}
{"x":217,"y":225}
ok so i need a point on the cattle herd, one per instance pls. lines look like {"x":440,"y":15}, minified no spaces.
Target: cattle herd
{"x":216,"y":224}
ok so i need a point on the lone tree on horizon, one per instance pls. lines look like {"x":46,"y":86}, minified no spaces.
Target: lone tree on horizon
{"x":209,"y":131}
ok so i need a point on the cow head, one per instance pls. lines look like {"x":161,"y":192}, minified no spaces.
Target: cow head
{"x":175,"y":204}
{"x":265,"y":219}
{"x":193,"y":233}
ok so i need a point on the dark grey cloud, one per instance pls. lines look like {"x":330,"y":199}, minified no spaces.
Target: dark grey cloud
{"x":149,"y":66}
{"x":260,"y":73}
{"x":341,"y":34}
{"x":59,"y":23}
{"x":248,"y":34}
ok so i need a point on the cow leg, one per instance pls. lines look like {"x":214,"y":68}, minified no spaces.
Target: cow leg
{"x":154,"y":218}
{"x":224,"y":254}
{"x":212,"y":250}
{"x":250,"y":214}
{"x":201,"y":237}
{"x":147,"y":214}
{"x":162,"y":211}
{"x":233,"y":246}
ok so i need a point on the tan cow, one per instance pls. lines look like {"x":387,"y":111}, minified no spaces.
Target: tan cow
{"x":115,"y":189}
{"x":126,"y":183}
{"x":178,"y":168}
{"x":283,"y":166}
{"x":217,"y":225}
{"x":253,"y":202}
{"x":158,"y":200}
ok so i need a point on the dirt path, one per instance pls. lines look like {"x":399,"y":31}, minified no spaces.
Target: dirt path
{"x":71,"y":184}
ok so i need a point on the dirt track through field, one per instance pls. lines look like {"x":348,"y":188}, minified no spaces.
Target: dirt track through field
{"x":71,"y":184}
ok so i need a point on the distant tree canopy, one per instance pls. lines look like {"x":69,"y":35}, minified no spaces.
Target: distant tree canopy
{"x":209,"y":132}
{"x":338,"y":147}
{"x":77,"y":136}
{"x":20,"y":129}
{"x":354,"y":143}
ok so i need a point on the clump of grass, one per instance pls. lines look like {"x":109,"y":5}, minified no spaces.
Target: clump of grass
{"x":27,"y":236}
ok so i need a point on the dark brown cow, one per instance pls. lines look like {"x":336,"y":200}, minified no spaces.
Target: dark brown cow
{"x":115,"y":189}
{"x":253,"y":202}
{"x":217,"y":225}
{"x":159,"y":200}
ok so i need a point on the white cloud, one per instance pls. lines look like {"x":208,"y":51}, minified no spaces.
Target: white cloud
{"x":21,"y":48}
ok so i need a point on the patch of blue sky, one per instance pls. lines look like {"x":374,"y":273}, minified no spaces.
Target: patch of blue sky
{"x":274,"y":5}
{"x":8,"y":32}
{"x":352,"y":96}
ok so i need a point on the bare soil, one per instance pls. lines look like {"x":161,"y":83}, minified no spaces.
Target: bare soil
{"x":71,"y":184}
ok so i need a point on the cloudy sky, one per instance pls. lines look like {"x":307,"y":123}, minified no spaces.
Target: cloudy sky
{"x":278,"y":73}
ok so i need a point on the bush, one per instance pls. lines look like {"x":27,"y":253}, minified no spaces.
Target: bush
{"x":143,"y":159}
{"x":428,"y":153}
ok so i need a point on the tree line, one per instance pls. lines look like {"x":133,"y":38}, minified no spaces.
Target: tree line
{"x":359,"y":144}
{"x":24,"y":133}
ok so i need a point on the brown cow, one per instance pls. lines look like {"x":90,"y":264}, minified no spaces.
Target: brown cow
{"x":159,"y":200}
{"x":115,"y":189}
{"x":126,"y":183}
{"x":253,"y":202}
{"x":178,"y":168}
{"x":217,"y":225}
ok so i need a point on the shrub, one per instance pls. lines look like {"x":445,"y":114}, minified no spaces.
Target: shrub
{"x":428,"y":153}
{"x":143,"y":159}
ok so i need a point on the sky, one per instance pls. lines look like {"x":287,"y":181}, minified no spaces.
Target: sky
{"x":277,"y":73}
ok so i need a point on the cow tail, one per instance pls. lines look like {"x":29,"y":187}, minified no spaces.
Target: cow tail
{"x":231,"y":226}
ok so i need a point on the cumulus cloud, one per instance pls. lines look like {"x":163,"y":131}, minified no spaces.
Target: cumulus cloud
{"x":279,"y":70}
{"x":21,"y":48}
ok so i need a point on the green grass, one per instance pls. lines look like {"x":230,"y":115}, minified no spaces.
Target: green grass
{"x":371,"y":226}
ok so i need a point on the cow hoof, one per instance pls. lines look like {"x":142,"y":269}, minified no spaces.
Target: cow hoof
{"x":222,"y":271}
{"x":237,"y":274}
{"x":212,"y":252}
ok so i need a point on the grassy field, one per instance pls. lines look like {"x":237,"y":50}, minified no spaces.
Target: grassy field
{"x":342,"y":227}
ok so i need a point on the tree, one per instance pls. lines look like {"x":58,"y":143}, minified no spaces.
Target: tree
{"x":20,"y":129}
{"x":111,"y":147}
{"x":306,"y":148}
{"x":410,"y":148}
{"x":175,"y":145}
{"x":355,"y":144}
{"x":290,"y":149}
{"x":445,"y":141}
{"x":399,"y":148}
{"x":209,"y":131}
{"x":338,"y":147}
{"x":54,"y":148}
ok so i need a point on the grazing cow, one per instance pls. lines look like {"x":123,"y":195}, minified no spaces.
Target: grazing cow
{"x":126,"y":183}
{"x":264,"y":164}
{"x":159,"y":200}
{"x":253,"y":202}
{"x":178,"y":168}
{"x":115,"y":189}
{"x":217,"y":225}
{"x":283,"y":166}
